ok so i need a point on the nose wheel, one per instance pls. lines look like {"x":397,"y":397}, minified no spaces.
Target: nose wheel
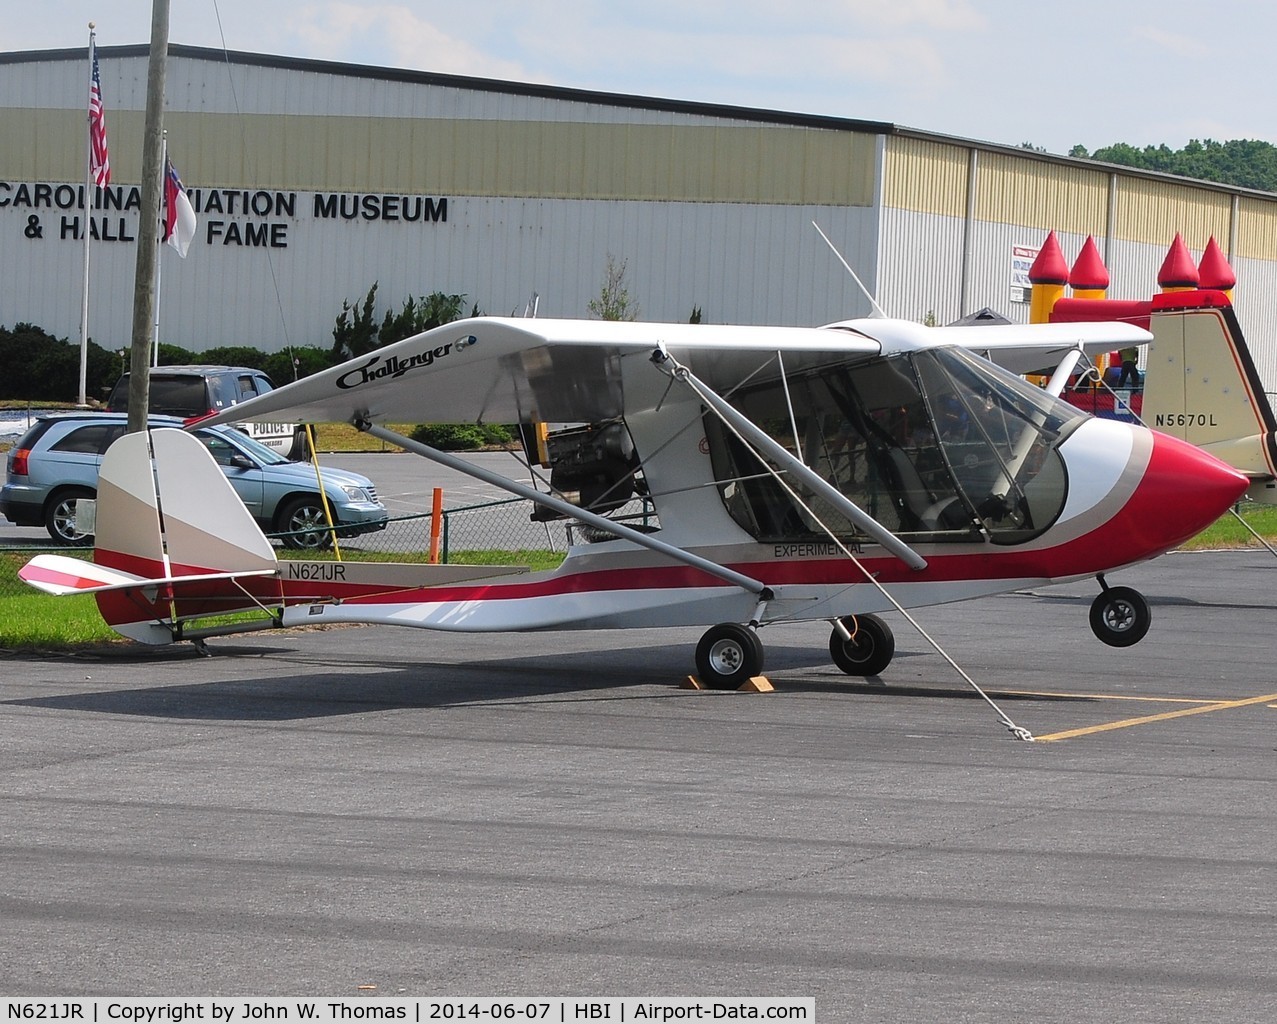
{"x":1119,"y":615}
{"x":866,"y":649}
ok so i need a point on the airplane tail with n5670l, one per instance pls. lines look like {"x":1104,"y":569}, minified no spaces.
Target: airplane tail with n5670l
{"x":1202,"y":385}
{"x":1200,"y":382}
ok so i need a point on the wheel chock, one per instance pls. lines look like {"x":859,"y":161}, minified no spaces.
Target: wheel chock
{"x":754,"y":684}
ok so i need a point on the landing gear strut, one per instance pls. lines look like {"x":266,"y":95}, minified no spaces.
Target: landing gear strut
{"x":728,"y":655}
{"x":870,"y":648}
{"x":1119,"y":615}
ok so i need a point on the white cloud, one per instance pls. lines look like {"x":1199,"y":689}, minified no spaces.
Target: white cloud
{"x":931,"y":15}
{"x":391,"y":35}
{"x":1175,"y":43}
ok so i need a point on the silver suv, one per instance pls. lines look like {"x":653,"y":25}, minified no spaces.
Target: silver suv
{"x":55,"y":464}
{"x":198,"y":390}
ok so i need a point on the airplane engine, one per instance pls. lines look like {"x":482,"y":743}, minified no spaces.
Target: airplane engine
{"x":591,"y":466}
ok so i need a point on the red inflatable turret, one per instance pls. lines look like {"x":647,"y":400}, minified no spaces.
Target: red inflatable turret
{"x":1214,"y":271}
{"x":1178,"y":272}
{"x":1048,"y":276}
{"x":1089,"y":278}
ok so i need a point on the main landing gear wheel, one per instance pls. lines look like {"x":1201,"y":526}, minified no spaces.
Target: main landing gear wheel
{"x":870,"y":649}
{"x":728,"y":655}
{"x":1120,"y":616}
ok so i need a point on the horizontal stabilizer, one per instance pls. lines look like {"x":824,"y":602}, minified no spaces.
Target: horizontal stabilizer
{"x":61,"y":575}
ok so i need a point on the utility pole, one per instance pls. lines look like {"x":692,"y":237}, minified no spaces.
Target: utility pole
{"x":148,"y":220}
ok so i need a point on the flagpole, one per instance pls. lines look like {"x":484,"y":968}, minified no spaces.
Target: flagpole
{"x":88,"y":213}
{"x":148,"y":221}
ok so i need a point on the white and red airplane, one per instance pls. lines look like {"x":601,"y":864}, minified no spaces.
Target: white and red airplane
{"x":796,"y":474}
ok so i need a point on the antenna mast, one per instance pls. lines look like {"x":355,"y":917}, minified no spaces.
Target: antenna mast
{"x":877,"y":310}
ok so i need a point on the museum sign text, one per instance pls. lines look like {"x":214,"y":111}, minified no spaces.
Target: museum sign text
{"x":226,"y":217}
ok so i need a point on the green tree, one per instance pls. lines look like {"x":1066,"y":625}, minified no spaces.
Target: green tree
{"x":1246,"y":163}
{"x":355,"y":332}
{"x":614,"y":302}
{"x":423,"y":314}
{"x":40,"y":367}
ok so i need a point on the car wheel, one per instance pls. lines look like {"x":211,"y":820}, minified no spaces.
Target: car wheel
{"x":300,"y":451}
{"x":59,"y":517}
{"x":304,"y":525}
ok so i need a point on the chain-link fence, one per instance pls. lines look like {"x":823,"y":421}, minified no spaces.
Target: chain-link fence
{"x":495,"y":532}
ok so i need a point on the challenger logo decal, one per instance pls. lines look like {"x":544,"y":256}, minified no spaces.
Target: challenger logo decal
{"x":396,"y":366}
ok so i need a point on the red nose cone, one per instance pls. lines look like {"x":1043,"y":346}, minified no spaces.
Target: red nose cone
{"x":1184,"y":490}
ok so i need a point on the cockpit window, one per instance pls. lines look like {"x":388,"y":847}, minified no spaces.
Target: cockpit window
{"x":935,"y":445}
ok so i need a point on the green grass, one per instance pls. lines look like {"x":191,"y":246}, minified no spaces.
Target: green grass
{"x":342,"y":437}
{"x":30,"y":619}
{"x":1227,"y":532}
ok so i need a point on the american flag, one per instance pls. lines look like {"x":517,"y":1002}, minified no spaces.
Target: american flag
{"x":99,"y":161}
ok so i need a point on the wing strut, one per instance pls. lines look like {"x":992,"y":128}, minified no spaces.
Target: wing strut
{"x":766,"y":443}
{"x":647,"y":540}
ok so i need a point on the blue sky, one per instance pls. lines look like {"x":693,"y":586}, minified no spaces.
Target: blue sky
{"x":1089,"y":73}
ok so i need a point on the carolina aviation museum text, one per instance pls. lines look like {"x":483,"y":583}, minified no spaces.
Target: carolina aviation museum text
{"x":229,"y":217}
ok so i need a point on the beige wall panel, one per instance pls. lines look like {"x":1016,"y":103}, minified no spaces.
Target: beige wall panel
{"x":51,"y":145}
{"x":1037,"y":194}
{"x":483,"y":157}
{"x":1154,"y":211}
{"x":926,"y":177}
{"x":1256,"y":230}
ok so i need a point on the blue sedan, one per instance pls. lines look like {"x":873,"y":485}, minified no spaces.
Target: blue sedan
{"x":55,"y":464}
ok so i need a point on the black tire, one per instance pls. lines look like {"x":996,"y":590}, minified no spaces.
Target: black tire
{"x":1120,"y":616}
{"x":728,"y":655}
{"x":59,"y":517}
{"x":304,"y":525}
{"x":870,"y":649}
{"x":300,"y":451}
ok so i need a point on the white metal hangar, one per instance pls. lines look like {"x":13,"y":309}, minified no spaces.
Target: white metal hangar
{"x":313,"y":180}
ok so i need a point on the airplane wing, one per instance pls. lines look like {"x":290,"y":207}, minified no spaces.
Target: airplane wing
{"x":1039,"y":347}
{"x":501,"y":370}
{"x":504,"y":370}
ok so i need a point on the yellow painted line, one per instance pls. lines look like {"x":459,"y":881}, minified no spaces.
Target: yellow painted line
{"x":1126,"y":723}
{"x":1109,"y":696}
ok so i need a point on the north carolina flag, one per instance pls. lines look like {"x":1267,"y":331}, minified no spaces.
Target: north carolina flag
{"x":179,"y":216}
{"x":99,"y":160}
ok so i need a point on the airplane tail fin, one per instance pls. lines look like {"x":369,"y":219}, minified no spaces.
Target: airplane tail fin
{"x":1202,"y":386}
{"x":174,"y":542}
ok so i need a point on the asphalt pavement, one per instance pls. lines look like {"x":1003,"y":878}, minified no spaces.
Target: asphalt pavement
{"x":318,"y":812}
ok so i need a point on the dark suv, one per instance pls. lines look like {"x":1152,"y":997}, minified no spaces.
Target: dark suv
{"x":197,"y":390}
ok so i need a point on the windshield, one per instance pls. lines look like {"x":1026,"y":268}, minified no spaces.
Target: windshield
{"x":217,"y":440}
{"x":937,"y":443}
